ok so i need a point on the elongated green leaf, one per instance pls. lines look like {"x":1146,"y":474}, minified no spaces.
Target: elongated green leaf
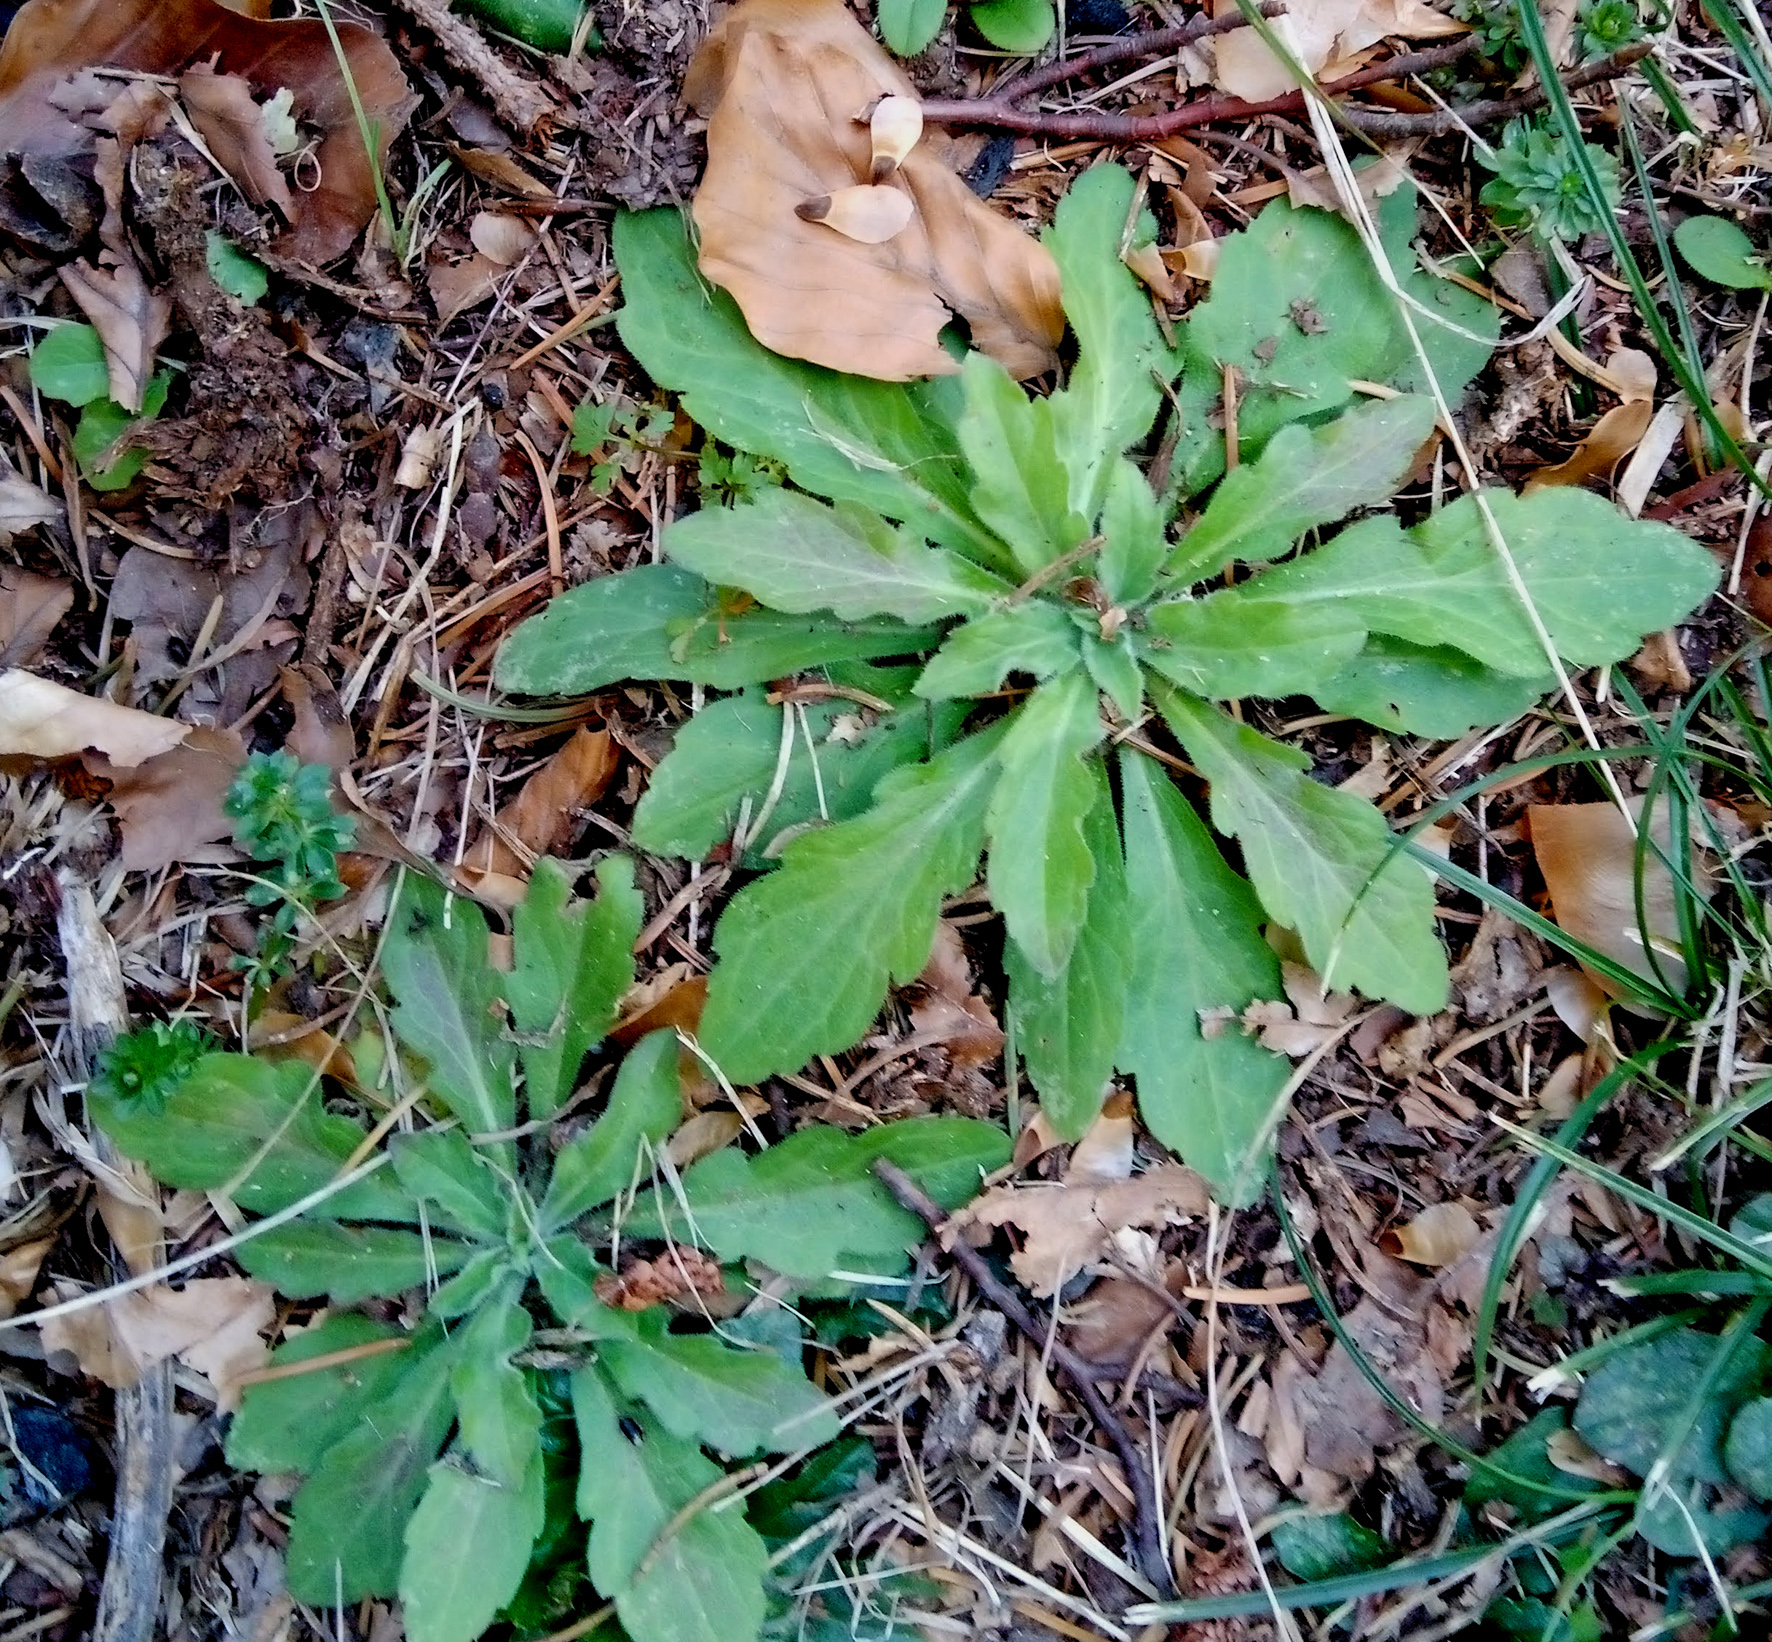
{"x":1305,"y":477}
{"x":1036,"y":638}
{"x":1236,"y":643}
{"x":495,"y":1402}
{"x":731,"y":749}
{"x":703,"y":1582}
{"x":1598,"y":580}
{"x":568,"y":1278}
{"x":1133,"y":545}
{"x":1069,"y":1026}
{"x":1715,"y":247}
{"x":1022,"y":492}
{"x":257,"y":1128}
{"x":434,"y":960}
{"x":441,"y":1169}
{"x":1040,"y":869}
{"x":645,"y":1105}
{"x":811,"y":1205}
{"x":1430,"y":692}
{"x":348,"y":1263}
{"x":796,"y":554}
{"x":807,"y":953}
{"x":1114,"y":667}
{"x":1194,"y":933}
{"x":485,"y":1270}
{"x":467,"y":1549}
{"x":661,"y":621}
{"x":573,"y":960}
{"x":739,"y":1402}
{"x":1113,"y":394}
{"x":287,"y":1424}
{"x":347,"y":1534}
{"x":1314,"y":854}
{"x":889,"y":446}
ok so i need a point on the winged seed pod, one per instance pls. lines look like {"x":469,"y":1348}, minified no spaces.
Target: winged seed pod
{"x":864,"y":213}
{"x":895,"y":124}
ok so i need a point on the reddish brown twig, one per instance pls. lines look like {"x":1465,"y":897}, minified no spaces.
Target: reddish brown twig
{"x":1153,"y":1562}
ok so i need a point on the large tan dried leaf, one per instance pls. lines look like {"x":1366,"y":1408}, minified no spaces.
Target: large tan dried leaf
{"x":51,"y":39}
{"x":1067,"y":1228}
{"x":171,"y":805}
{"x":1320,"y":32}
{"x":787,"y":86}
{"x":1607,"y":443}
{"x":42,"y":719}
{"x":1588,"y":853}
{"x":230,"y":120}
{"x":30,"y":607}
{"x":545,"y":815}
{"x":1439,"y":1235}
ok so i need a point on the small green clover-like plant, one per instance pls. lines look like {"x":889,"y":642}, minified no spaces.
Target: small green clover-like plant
{"x":999,"y":599}
{"x":1021,"y":26}
{"x":453,"y":1462}
{"x":608,"y":431}
{"x":1717,"y":249}
{"x":142,"y":1068}
{"x":1606,"y":26}
{"x":69,"y":365}
{"x":1537,"y":184}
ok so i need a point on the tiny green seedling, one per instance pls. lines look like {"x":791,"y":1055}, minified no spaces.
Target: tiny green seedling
{"x":1058,"y":610}
{"x":457,"y":1461}
{"x":69,"y":365}
{"x":242,"y":276}
{"x":1538,"y":185}
{"x":607,"y":432}
{"x":1717,"y":249}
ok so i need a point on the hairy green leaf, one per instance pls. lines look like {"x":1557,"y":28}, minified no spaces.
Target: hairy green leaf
{"x":500,"y":1418}
{"x":807,"y":953}
{"x":1320,"y":859}
{"x":698,"y":1580}
{"x":1716,"y":249}
{"x":661,"y":621}
{"x":1444,"y":583}
{"x":434,"y":960}
{"x":645,"y":1105}
{"x":1194,"y":930}
{"x":907,"y":26}
{"x":739,"y":1402}
{"x":1437,"y":692}
{"x":795,"y":554}
{"x":1114,"y":667}
{"x":1040,"y":868}
{"x":1068,"y":1027}
{"x":731,"y":749}
{"x":349,"y":1263}
{"x":811,"y":1206}
{"x":1133,"y":544}
{"x":1021,"y":489}
{"x":572,"y":962}
{"x":1234,"y":642}
{"x":467,"y":1549}
{"x":889,"y":446}
{"x":440,"y":1168}
{"x":1748,"y":1452}
{"x":1037,"y":638}
{"x":1306,"y":476}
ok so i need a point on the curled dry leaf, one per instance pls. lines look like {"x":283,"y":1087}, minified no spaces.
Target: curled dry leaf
{"x":30,"y":607}
{"x":52,"y":39}
{"x":1106,"y":1150}
{"x":1606,"y":444}
{"x":786,"y":85}
{"x":41,"y":719}
{"x":951,"y":1012}
{"x":131,"y":320}
{"x":170,"y":806}
{"x":232,"y":122}
{"x":22,"y":505}
{"x":1439,"y":1235}
{"x":1321,"y":33}
{"x":545,"y":815}
{"x":1067,"y":1228}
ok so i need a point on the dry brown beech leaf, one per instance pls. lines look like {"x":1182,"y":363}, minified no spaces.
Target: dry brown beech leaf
{"x":52,"y":39}
{"x":1321,"y":33}
{"x":232,"y":122}
{"x":170,"y":805}
{"x":41,"y":719}
{"x":787,"y":86}
{"x":1439,"y":1235}
{"x":30,"y":606}
{"x":1606,"y":444}
{"x":506,"y":240}
{"x":131,"y":320}
{"x":544,"y":816}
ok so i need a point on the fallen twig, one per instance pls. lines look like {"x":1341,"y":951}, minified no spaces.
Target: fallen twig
{"x":1153,"y":1560}
{"x":520,"y":102}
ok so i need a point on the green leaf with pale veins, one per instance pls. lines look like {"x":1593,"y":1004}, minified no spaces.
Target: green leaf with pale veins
{"x":348,"y":1525}
{"x":1235,"y":643}
{"x":467,"y":1548}
{"x":739,"y":1402}
{"x":495,"y":1402}
{"x":795,"y":553}
{"x":572,"y":961}
{"x":702,"y":1583}
{"x":1438,"y":692}
{"x":811,"y":1205}
{"x":434,"y":960}
{"x":349,"y":1263}
{"x":1112,"y":396}
{"x":645,"y":1105}
{"x":889,"y":446}
{"x":1305,"y":477}
{"x":1022,"y":491}
{"x":1114,"y":667}
{"x":1040,"y":868}
{"x":660,"y":621}
{"x":806,"y":954}
{"x":1133,"y":543}
{"x":1444,"y":583}
{"x":1315,"y":856}
{"x":1194,"y":932}
{"x":1037,"y":638}
{"x":1068,"y":1027}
